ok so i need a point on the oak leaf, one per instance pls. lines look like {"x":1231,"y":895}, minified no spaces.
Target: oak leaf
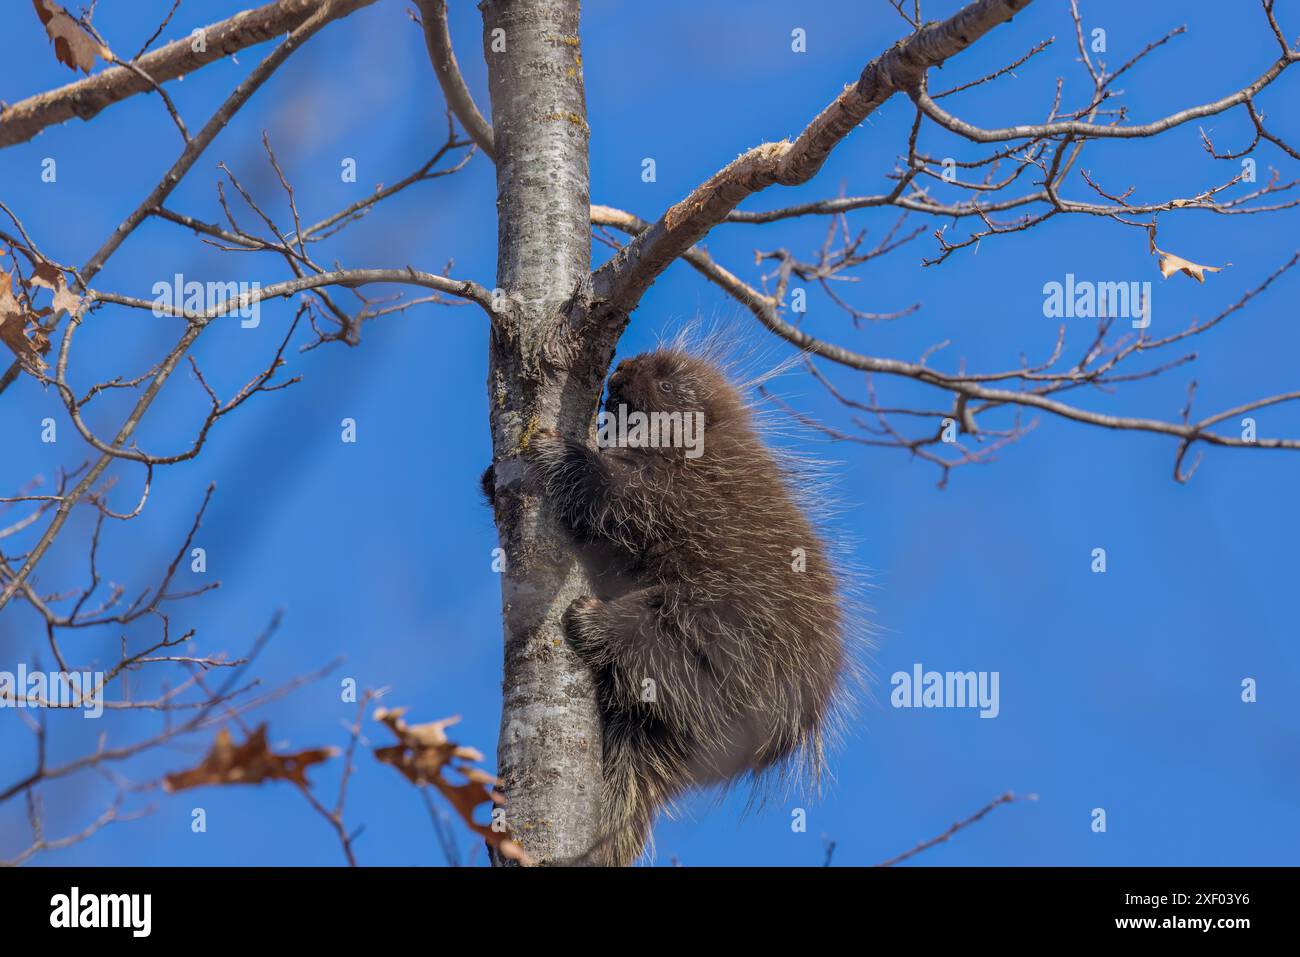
{"x":15,"y":316}
{"x":74,"y":47}
{"x":249,"y":763}
{"x":51,"y":277}
{"x":424,"y":752}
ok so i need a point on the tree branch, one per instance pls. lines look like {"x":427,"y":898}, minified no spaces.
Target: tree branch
{"x":965,"y":387}
{"x":1007,"y":798}
{"x":437,"y":36}
{"x":84,"y":99}
{"x":1079,"y":128}
{"x":619,"y":284}
{"x":349,"y":278}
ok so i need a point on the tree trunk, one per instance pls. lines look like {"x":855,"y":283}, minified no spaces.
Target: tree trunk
{"x":542,"y":376}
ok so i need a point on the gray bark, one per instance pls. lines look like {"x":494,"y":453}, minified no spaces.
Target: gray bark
{"x":546,"y":372}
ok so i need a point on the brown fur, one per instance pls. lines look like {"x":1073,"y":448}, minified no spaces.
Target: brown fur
{"x":745,"y":653}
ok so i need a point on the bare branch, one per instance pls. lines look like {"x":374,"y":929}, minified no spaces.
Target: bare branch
{"x":86,"y":98}
{"x":433,"y":17}
{"x":620,"y":283}
{"x":1080,"y":128}
{"x":1007,"y":798}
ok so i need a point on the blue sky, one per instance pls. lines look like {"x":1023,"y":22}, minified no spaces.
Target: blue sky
{"x":1118,"y":690}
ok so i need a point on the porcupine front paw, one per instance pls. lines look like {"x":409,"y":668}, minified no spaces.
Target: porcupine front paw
{"x":577,"y":621}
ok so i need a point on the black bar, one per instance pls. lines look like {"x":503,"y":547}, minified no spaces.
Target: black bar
{"x":382,"y":906}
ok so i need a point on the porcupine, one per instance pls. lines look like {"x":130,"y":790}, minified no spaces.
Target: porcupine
{"x":726,"y":651}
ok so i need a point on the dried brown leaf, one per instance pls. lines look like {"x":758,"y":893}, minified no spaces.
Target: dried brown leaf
{"x":423,"y":752}
{"x":74,"y":47}
{"x":249,"y":763}
{"x":1169,"y":264}
{"x":51,"y":277}
{"x":15,"y":317}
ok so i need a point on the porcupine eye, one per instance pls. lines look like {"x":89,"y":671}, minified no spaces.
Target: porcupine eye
{"x":665,"y":386}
